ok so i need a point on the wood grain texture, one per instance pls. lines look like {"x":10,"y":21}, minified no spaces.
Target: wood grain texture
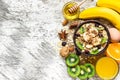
{"x":28,"y":40}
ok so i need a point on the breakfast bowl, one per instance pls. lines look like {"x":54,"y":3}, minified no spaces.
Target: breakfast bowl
{"x":91,"y":37}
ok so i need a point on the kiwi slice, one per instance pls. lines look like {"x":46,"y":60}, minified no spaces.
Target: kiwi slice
{"x":104,"y":40}
{"x":79,"y":45}
{"x":83,"y":72}
{"x":73,"y":71}
{"x":100,"y":28}
{"x":72,"y":60}
{"x":94,"y":51}
{"x":81,"y":30}
{"x":90,"y":70}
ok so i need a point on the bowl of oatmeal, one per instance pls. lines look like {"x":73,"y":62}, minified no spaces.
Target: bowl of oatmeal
{"x":91,"y":37}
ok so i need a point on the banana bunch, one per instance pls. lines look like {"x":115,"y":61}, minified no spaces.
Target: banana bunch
{"x":107,"y":9}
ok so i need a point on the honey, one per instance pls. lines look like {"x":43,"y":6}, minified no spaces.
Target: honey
{"x":67,"y":14}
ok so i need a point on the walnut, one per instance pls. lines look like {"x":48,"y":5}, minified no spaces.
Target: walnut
{"x":73,"y":25}
{"x":64,"y":52}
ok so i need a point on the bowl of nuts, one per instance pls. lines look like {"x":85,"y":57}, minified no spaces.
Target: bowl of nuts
{"x":91,"y":37}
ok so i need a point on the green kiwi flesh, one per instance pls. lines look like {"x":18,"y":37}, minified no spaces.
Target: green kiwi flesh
{"x":72,"y":60}
{"x":73,"y":71}
{"x":90,"y":70}
{"x":83,"y":72}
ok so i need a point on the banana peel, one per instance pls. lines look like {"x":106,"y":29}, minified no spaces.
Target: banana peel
{"x":101,"y":12}
{"x":113,"y":4}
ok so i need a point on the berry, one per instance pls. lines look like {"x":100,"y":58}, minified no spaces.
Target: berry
{"x":64,"y":43}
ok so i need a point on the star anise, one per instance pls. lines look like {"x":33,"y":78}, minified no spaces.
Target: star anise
{"x":63,"y":35}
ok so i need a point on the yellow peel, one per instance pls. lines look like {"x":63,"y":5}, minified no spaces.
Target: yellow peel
{"x":113,"y":4}
{"x":102,"y":12}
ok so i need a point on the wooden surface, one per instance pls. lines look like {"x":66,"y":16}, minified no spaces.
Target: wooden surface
{"x":28,"y":40}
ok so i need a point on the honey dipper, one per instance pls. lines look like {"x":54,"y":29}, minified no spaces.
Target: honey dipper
{"x":75,"y":7}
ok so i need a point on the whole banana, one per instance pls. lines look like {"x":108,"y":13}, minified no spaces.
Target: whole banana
{"x":102,"y":12}
{"x":113,"y":4}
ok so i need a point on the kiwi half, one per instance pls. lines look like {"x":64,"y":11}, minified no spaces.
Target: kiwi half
{"x":83,"y":72}
{"x":90,"y":70}
{"x":72,"y":60}
{"x":73,"y":71}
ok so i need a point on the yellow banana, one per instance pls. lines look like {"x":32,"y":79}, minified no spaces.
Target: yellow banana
{"x":113,"y":4}
{"x":102,"y":12}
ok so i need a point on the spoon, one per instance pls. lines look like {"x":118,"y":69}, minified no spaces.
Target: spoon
{"x":76,"y":6}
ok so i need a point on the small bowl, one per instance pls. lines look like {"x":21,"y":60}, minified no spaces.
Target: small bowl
{"x":101,"y":47}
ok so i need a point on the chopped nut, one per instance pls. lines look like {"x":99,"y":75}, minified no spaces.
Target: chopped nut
{"x":73,"y":25}
{"x":63,"y":35}
{"x":65,"y":22}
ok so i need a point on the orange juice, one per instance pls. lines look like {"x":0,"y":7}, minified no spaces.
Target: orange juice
{"x":106,"y":68}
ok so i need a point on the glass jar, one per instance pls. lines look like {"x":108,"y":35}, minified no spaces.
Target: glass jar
{"x":67,"y":15}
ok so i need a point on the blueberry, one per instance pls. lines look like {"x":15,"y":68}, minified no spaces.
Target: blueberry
{"x":87,"y":52}
{"x":97,"y":25}
{"x":64,"y":43}
{"x":98,"y":46}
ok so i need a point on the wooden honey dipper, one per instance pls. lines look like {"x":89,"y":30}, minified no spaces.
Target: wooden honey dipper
{"x":75,"y":7}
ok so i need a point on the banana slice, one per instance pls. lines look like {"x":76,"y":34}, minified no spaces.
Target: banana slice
{"x":96,"y":41}
{"x":86,"y":36}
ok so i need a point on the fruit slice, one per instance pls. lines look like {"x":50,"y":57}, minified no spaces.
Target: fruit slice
{"x":113,"y":51}
{"x":73,"y":71}
{"x":79,"y":45}
{"x":83,"y":72}
{"x":101,"y":12}
{"x":106,"y":68}
{"x":94,"y":51}
{"x":104,"y":40}
{"x":72,"y":60}
{"x":90,"y":70}
{"x":82,"y":30}
{"x":113,"y":4}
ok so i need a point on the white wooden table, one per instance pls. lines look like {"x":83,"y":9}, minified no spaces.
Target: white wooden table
{"x":28,"y":40}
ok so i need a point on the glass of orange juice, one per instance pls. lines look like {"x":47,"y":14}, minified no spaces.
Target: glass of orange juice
{"x":107,"y":68}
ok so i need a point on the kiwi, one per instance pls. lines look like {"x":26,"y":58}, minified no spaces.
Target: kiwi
{"x":73,"y":71}
{"x":94,"y":51}
{"x":79,"y":45}
{"x":103,"y":40}
{"x":72,"y":60}
{"x":81,"y":30}
{"x":83,"y":72}
{"x":90,"y":70}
